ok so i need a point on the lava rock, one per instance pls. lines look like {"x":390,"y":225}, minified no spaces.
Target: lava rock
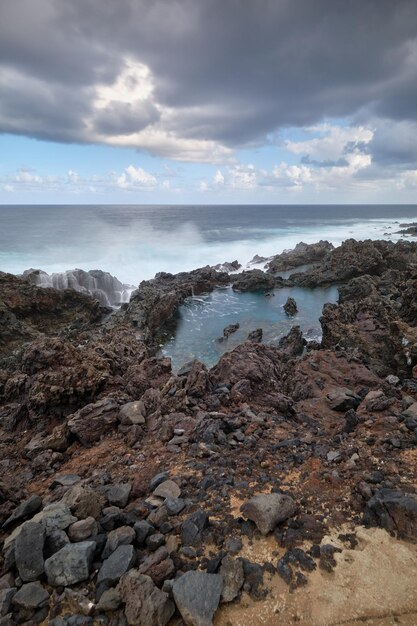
{"x":167,"y":489}
{"x":393,"y":510}
{"x":29,"y":551}
{"x":91,"y":422}
{"x":233,"y":576}
{"x":268,"y":510}
{"x":118,"y":563}
{"x":342,"y":399}
{"x":71,"y":564}
{"x":290,"y":307}
{"x":146,"y":605}
{"x":31,"y":596}
{"x":197,"y":596}
{"x":118,"y":495}
{"x":124,"y":535}
{"x":25,"y":510}
{"x":83,"y":529}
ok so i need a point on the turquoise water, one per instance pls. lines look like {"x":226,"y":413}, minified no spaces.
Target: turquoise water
{"x":200,"y":321}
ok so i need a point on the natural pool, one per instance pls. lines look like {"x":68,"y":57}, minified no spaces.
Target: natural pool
{"x":200,"y":321}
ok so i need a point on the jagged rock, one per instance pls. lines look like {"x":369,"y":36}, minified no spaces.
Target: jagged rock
{"x":411,"y":411}
{"x":231,"y":570}
{"x":142,"y":530}
{"x":157,"y":480}
{"x":230,"y":329}
{"x":290,"y":307}
{"x":24,"y":511}
{"x":167,"y":489}
{"x":124,"y":535}
{"x":6,"y":597}
{"x":28,"y":551}
{"x":84,"y":502}
{"x":65,"y":480}
{"x":268,"y":510}
{"x":59,"y":439}
{"x":117,"y":564}
{"x":197,"y":596}
{"x":118,"y":495}
{"x":393,"y":510}
{"x":293,"y":343}
{"x":31,"y":596}
{"x":342,"y":399}
{"x":192,"y":528}
{"x":302,"y":254}
{"x":133,"y":413}
{"x":110,"y":600}
{"x":253,"y":280}
{"x":146,"y":605}
{"x":93,"y":421}
{"x":256,"y":335}
{"x":71,"y":564}
{"x":83,"y":529}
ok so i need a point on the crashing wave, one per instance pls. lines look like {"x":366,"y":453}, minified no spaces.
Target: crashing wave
{"x":107,"y":289}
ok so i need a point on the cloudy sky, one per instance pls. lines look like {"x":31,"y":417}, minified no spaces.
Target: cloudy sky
{"x":208,"y":101}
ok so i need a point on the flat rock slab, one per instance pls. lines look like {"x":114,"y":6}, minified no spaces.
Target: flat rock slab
{"x":146,"y":605}
{"x":197,"y":596}
{"x":167,"y":489}
{"x":118,"y":563}
{"x":343,"y":399}
{"x":31,"y":596}
{"x":71,"y":564}
{"x":268,"y":509}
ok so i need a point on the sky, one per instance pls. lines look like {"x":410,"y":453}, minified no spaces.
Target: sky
{"x":208,"y":101}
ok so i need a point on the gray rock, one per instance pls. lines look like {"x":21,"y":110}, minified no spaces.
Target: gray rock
{"x":233,"y":576}
{"x":24,"y":511}
{"x":29,"y":551}
{"x":56,"y":516}
{"x":118,"y":495}
{"x":133,"y":413}
{"x":268,"y":510}
{"x":31,"y":596}
{"x":110,"y":600}
{"x":118,"y":563}
{"x":54,"y":541}
{"x":84,"y":502}
{"x":192,"y":528}
{"x":342,"y":399}
{"x":71,"y":564}
{"x":157,"y":480}
{"x":197,"y":596}
{"x":333,"y":455}
{"x":142,"y":530}
{"x":83,"y":529}
{"x":91,"y":422}
{"x":146,"y":605}
{"x":65,"y":480}
{"x":290,"y":307}
{"x":411,"y":411}
{"x":174,"y":506}
{"x":124,"y":535}
{"x":167,"y":489}
{"x":6,"y":597}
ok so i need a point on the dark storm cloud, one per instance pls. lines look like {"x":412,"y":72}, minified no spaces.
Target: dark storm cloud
{"x":228,"y":70}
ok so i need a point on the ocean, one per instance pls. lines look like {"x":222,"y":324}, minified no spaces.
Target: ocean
{"x":134,"y":242}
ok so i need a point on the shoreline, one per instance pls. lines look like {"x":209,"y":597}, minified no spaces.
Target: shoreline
{"x":268,"y":474}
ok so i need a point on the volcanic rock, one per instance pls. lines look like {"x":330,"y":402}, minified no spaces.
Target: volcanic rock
{"x":197,"y":596}
{"x":268,"y":509}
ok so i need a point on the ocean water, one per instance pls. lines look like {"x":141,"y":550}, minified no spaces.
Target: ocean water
{"x":201,"y":320}
{"x":134,"y":242}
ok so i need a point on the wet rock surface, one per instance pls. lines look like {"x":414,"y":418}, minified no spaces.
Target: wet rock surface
{"x":133,"y":494}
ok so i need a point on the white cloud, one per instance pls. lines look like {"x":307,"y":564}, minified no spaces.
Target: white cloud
{"x":331,"y":142}
{"x":203,"y":186}
{"x":136,"y":177}
{"x":218,"y":178}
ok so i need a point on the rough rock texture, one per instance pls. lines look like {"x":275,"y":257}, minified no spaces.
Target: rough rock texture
{"x":71,"y":564}
{"x":302,"y":254}
{"x":268,"y":509}
{"x":94,"y":420}
{"x":394,"y":511}
{"x":197,"y":596}
{"x":145,"y":604}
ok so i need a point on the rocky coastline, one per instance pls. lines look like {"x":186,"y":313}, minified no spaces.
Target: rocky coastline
{"x":277,"y":487}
